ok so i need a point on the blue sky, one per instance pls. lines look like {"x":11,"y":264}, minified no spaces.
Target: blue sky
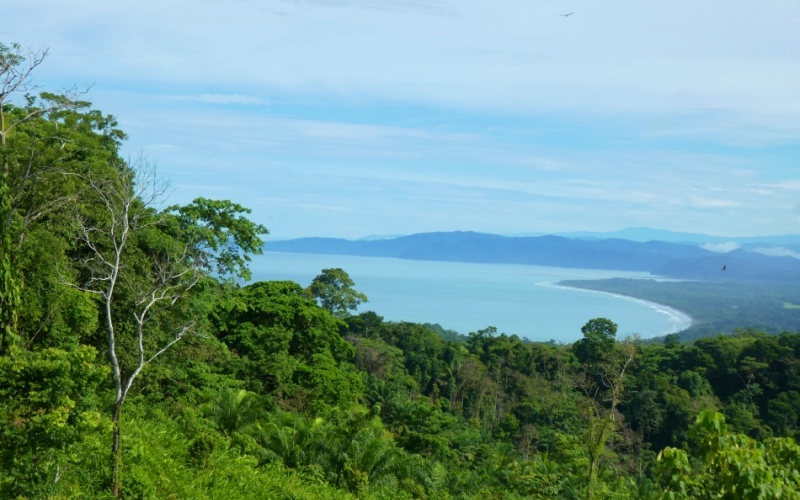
{"x":351,"y":118}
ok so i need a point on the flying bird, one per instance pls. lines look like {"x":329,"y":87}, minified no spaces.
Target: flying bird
{"x":567,"y":15}
{"x":724,"y":267}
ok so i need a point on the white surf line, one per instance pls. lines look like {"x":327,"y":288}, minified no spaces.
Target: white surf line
{"x":679,"y":319}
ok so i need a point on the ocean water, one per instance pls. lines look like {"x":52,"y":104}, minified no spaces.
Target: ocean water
{"x":516,"y":299}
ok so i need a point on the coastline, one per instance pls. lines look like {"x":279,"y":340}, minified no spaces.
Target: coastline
{"x":678,"y":318}
{"x":466,"y":297}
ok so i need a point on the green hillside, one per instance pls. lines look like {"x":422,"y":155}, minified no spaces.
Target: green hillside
{"x":134,"y":365}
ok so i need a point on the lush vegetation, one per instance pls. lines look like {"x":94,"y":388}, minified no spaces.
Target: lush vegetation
{"x":715,"y":307}
{"x":133,"y":365}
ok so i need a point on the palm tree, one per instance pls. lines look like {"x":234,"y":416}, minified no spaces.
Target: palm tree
{"x":380,"y":395}
{"x":292,"y":440}
{"x":234,"y":410}
{"x":371,"y":459}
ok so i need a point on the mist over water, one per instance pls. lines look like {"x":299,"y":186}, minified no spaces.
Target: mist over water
{"x":516,"y":299}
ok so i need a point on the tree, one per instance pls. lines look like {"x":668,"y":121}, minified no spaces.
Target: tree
{"x":598,"y":339}
{"x":729,"y":466}
{"x":234,"y":409}
{"x":221,"y":238}
{"x":47,"y":398}
{"x":366,"y":324}
{"x":605,"y":366}
{"x":334,"y":291}
{"x":603,"y":422}
{"x":672,"y":340}
{"x":289,"y":346}
{"x":24,"y":167}
{"x":142,"y":263}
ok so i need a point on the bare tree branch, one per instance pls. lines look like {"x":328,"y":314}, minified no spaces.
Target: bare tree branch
{"x":16,"y":67}
{"x":126,"y":201}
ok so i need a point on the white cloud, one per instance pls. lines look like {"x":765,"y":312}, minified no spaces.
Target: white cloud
{"x":726,"y":247}
{"x":625,"y":113}
{"x":708,"y":202}
{"x":787,"y":185}
{"x":616,"y":56}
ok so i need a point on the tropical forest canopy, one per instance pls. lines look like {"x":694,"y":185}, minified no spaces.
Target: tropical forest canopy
{"x":134,"y":363}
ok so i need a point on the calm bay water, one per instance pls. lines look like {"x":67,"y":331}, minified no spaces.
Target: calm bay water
{"x":516,"y":299}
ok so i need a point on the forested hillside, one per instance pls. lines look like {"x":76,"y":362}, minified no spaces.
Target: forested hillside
{"x":133,"y":364}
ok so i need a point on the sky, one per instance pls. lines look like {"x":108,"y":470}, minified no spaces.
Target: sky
{"x":351,"y":118}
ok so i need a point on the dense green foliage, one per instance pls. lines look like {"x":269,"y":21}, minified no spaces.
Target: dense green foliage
{"x":261,"y":391}
{"x":729,"y":465}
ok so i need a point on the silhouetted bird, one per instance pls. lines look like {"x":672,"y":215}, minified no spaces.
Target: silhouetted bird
{"x":567,"y":15}
{"x":724,"y":267}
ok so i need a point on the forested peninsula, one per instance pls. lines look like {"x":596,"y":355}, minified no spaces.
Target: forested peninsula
{"x":721,"y":292}
{"x":714,"y":306}
{"x":138,"y":361}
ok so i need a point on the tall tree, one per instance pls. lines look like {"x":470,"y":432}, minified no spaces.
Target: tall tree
{"x":334,"y":291}
{"x":599,"y":335}
{"x":605,"y":365}
{"x":142,"y":263}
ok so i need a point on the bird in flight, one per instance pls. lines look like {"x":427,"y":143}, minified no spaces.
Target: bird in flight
{"x":567,"y":15}
{"x":724,"y":267}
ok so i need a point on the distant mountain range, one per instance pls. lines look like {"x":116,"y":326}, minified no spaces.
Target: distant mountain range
{"x":683,"y":260}
{"x":643,"y":234}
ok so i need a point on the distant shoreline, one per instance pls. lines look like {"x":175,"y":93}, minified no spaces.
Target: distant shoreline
{"x":680,"y":319}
